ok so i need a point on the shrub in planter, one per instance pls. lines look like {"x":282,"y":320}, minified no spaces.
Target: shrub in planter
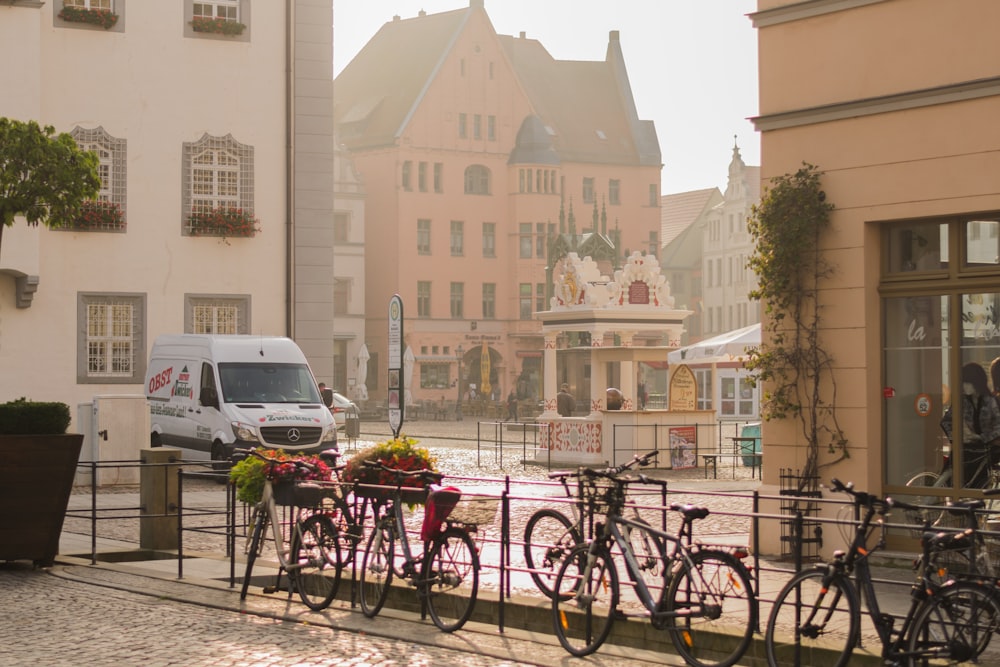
{"x":36,"y":478}
{"x":24,"y":417}
{"x":249,"y":474}
{"x":98,"y":17}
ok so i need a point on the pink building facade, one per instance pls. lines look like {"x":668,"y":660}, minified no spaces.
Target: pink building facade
{"x":477,"y":151}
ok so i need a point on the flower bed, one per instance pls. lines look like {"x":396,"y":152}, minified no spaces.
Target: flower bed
{"x":99,"y":17}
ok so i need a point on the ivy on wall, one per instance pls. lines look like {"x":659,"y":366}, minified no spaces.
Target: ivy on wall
{"x":792,"y":364}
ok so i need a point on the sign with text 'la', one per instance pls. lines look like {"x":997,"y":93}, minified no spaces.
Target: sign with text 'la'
{"x":395,"y":385}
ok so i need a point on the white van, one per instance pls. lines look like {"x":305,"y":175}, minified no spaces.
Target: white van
{"x":215,"y":393}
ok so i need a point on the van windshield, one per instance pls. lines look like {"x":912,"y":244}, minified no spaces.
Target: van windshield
{"x":267,"y":383}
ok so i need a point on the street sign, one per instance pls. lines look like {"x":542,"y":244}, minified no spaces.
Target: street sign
{"x":395,"y":384}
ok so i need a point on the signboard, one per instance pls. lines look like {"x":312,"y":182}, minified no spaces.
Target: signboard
{"x":683,"y":389}
{"x":683,"y":447}
{"x":394,"y":384}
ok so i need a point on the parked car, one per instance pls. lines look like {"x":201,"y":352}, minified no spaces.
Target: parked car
{"x":343,"y":409}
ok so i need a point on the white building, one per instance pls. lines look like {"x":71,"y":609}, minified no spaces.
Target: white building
{"x":185,"y":119}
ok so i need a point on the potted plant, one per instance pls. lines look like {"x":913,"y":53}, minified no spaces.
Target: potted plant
{"x":98,"y":214}
{"x":224,"y":221}
{"x":218,"y":26}
{"x":36,"y":478}
{"x":400,"y":454}
{"x":99,"y":17}
{"x":249,"y":474}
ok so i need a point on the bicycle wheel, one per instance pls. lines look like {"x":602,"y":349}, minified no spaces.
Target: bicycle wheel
{"x":376,"y":570}
{"x":712,"y":609}
{"x":548,"y":537}
{"x":585,"y":596}
{"x":932,"y":513}
{"x":955,"y":625}
{"x":813,"y":622}
{"x":258,"y":522}
{"x":451,"y":579}
{"x":316,"y":561}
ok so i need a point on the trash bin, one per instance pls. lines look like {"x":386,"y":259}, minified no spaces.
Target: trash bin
{"x":750,"y":449}
{"x":352,"y":424}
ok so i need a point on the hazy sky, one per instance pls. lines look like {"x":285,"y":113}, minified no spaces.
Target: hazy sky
{"x":692,"y":64}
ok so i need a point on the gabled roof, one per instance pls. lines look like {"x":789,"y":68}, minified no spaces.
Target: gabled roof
{"x":685,"y":250}
{"x":378,"y":90}
{"x":679,"y":211}
{"x":586,"y":106}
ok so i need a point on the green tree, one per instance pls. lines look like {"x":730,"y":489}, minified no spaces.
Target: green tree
{"x":44,"y":177}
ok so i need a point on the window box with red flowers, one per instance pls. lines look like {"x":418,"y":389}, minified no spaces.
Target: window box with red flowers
{"x":98,"y":215}
{"x":99,"y":17}
{"x":218,"y":26}
{"x":224,"y":221}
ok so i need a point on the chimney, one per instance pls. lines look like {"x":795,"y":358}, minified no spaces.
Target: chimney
{"x":522,"y":35}
{"x":477,"y":4}
{"x":396,"y":17}
{"x":422,"y":13}
{"x":613,"y":36}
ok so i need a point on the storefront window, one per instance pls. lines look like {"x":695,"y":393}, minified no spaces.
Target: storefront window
{"x":942,"y":335}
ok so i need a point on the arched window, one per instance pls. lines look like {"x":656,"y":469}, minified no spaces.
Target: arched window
{"x":477,"y":180}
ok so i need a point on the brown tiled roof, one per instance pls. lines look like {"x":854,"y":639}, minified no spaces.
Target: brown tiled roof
{"x":377,"y":91}
{"x":581,"y":101}
{"x":678,"y":211}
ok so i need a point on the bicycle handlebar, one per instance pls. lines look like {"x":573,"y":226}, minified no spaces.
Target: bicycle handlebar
{"x":862,"y":498}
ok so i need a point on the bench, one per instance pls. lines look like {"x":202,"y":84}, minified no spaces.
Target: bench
{"x":739,"y":452}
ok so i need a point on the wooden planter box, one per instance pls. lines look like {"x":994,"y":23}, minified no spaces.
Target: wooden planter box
{"x":36,"y":479}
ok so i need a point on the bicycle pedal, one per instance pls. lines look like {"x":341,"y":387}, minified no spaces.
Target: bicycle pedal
{"x":270,"y":590}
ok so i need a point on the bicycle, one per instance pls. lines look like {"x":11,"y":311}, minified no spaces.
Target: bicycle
{"x":703,"y":590}
{"x":448,"y":562}
{"x":312,"y":557}
{"x":947,"y":623}
{"x":987,"y":470}
{"x":549,"y":534}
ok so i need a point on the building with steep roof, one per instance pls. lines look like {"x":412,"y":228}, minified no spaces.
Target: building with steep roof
{"x":478,"y":152}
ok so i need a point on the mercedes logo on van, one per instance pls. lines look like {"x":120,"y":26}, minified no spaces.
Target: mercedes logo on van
{"x":294,"y":435}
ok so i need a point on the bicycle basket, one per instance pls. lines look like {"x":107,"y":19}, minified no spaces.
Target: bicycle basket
{"x":600,"y":495}
{"x":300,"y":494}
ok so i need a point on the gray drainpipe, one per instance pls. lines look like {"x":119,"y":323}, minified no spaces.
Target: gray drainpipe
{"x":290,"y":169}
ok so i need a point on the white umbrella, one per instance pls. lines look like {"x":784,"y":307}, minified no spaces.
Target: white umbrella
{"x":363,"y":357}
{"x":408,"y":361}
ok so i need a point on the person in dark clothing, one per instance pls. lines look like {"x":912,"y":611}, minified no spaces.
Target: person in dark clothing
{"x":565,"y":403}
{"x":511,"y":406}
{"x":981,"y":424}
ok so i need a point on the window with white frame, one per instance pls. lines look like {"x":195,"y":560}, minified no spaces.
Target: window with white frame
{"x":107,"y":211}
{"x":219,"y":9}
{"x":423,"y":237}
{"x":423,"y":298}
{"x":112,"y":347}
{"x":106,"y":5}
{"x":703,"y":378}
{"x":216,"y":314}
{"x":458,"y":300}
{"x":489,"y":301}
{"x":457,"y":238}
{"x":489,"y":239}
{"x":434,"y":376}
{"x":477,"y":180}
{"x":218,"y":175}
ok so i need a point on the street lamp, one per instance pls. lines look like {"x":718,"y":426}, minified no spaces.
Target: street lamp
{"x":458,"y":404}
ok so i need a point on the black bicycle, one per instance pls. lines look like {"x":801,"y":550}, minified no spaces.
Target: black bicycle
{"x":816,"y":617}
{"x":704,"y":593}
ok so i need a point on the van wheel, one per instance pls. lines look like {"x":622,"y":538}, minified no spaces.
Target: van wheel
{"x":220,"y":464}
{"x":154,"y":440}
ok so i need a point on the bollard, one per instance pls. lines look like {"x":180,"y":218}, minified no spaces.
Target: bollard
{"x":158,"y":499}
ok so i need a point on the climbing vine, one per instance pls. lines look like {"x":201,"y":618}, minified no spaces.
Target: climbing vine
{"x":792,"y":365}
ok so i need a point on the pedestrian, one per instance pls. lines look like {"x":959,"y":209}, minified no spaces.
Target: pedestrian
{"x":981,"y":425}
{"x":511,"y":406}
{"x":565,"y":403}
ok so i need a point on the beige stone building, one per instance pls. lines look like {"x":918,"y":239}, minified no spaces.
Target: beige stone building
{"x":475,"y":150}
{"x":188,"y":116}
{"x":897,"y":103}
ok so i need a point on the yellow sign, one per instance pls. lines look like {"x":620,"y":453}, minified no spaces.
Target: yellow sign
{"x":683,"y":389}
